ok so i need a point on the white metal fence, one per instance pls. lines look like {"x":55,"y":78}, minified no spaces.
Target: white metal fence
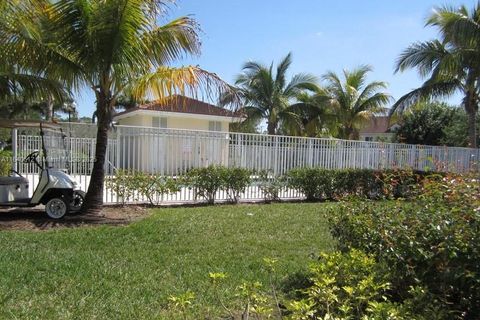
{"x":173,"y":152}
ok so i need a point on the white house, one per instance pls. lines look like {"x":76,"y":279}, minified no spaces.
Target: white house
{"x":171,"y":151}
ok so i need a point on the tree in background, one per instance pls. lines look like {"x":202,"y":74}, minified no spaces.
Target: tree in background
{"x":456,"y":132}
{"x":424,"y":124}
{"x":434,"y":123}
{"x":111,"y":47}
{"x":353,"y":101}
{"x":316,"y":115}
{"x":450,"y":64}
{"x":266,"y":94}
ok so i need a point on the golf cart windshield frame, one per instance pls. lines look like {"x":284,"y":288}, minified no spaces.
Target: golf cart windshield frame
{"x":41,"y":125}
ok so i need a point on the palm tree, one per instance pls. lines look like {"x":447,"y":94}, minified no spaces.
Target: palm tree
{"x":316,"y":116}
{"x":266,"y":95}
{"x":450,"y":64}
{"x":354,"y":101}
{"x":20,"y":85}
{"x":111,"y":47}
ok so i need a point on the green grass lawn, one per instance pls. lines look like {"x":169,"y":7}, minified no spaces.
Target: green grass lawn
{"x":129,"y":272}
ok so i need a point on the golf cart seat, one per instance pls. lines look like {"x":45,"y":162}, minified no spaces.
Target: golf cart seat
{"x":12,"y":180}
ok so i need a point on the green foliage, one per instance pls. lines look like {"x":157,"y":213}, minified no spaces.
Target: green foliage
{"x":434,"y":124}
{"x":5,"y":162}
{"x":455,"y":133}
{"x":325,"y":184}
{"x":235,"y":182}
{"x":121,"y":184}
{"x":314,"y":183}
{"x":182,"y":302}
{"x":270,"y":185}
{"x":433,"y":241}
{"x":135,"y":185}
{"x":449,"y":64}
{"x":345,"y":286}
{"x":266,"y":94}
{"x":207,"y":181}
{"x":354,"y":100}
{"x":154,"y":187}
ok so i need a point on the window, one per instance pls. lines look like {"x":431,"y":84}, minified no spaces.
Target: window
{"x":214,"y":126}
{"x":368,"y":138}
{"x":159,"y":122}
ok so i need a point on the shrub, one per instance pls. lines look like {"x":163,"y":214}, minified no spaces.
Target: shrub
{"x":344,"y":286}
{"x":314,"y":183}
{"x":121,"y":184}
{"x":135,"y":185}
{"x":235,"y":180}
{"x":154,"y":187}
{"x":433,"y":241}
{"x":270,"y":185}
{"x":5,"y":162}
{"x":207,"y":181}
{"x":325,"y":184}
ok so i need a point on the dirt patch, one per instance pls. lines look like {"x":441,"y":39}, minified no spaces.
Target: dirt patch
{"x":36,"y":219}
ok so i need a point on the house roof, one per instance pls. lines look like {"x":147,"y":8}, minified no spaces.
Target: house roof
{"x":377,"y":125}
{"x":182,"y":104}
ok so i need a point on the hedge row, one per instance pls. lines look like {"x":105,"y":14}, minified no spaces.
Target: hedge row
{"x":324,"y":184}
{"x":315,"y":183}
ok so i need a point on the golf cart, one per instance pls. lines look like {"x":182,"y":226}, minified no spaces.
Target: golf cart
{"x":55,"y":189}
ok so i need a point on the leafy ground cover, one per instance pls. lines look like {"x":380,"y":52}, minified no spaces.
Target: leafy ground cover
{"x":130,"y":271}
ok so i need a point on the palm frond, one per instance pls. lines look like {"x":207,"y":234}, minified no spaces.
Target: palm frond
{"x":188,"y":80}
{"x":424,"y":56}
{"x":300,"y":82}
{"x":429,"y":90}
{"x":282,"y":70}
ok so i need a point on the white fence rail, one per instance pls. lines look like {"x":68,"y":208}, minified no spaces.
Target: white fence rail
{"x":173,"y":152}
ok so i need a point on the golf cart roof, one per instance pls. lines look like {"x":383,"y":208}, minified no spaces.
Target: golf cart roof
{"x":14,"y":124}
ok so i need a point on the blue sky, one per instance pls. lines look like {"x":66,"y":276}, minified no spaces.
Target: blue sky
{"x":323,"y":35}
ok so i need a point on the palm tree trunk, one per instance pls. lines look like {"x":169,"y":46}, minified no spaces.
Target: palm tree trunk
{"x":94,"y":197}
{"x":471,"y":108}
{"x":49,"y":115}
{"x":271,"y":126}
{"x":472,"y":129}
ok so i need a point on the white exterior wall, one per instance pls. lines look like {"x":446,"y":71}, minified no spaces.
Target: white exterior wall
{"x":160,"y":151}
{"x":174,"y":122}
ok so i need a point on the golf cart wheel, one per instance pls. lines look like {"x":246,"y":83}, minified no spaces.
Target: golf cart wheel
{"x":77,"y":201}
{"x":56,"y":208}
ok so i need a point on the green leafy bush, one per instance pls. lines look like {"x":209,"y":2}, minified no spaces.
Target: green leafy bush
{"x":207,"y":181}
{"x":154,"y":187}
{"x":121,"y":184}
{"x":314,"y":183}
{"x":5,"y":162}
{"x":270,"y":185}
{"x":135,"y":185}
{"x":324,"y":184}
{"x":344,"y":286}
{"x":433,"y":240}
{"x":235,"y":182}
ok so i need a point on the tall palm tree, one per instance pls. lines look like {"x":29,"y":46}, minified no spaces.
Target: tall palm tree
{"x":267,"y":95}
{"x":354,"y":101}
{"x":111,"y":47}
{"x":451,"y":64}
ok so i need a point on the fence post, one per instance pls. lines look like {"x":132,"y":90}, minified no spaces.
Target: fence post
{"x":117,"y":160}
{"x":275,"y":159}
{"x":14,"y":149}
